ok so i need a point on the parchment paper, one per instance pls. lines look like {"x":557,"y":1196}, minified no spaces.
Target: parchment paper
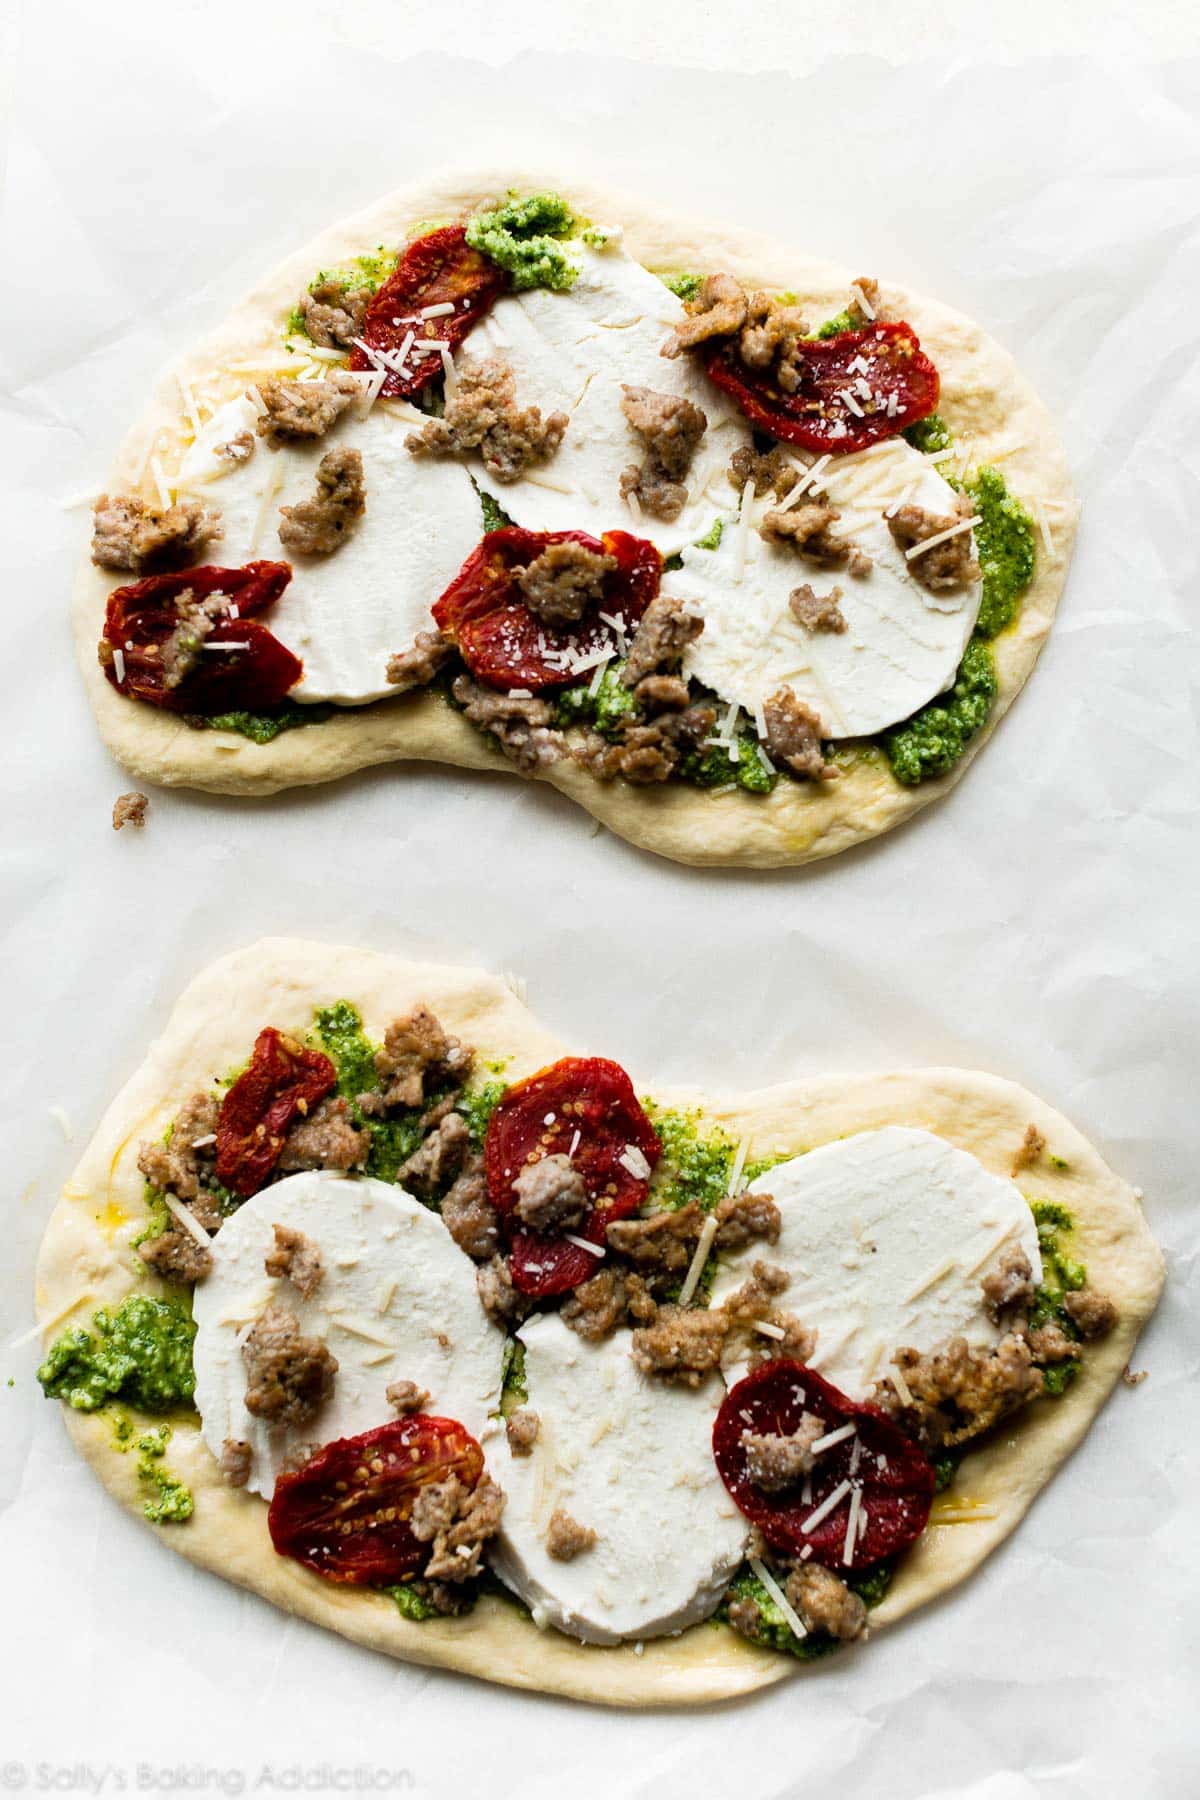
{"x":1039,"y":923}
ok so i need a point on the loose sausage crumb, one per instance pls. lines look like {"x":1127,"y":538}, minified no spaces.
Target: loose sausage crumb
{"x":566,"y":1538}
{"x":237,"y":449}
{"x":183,"y":1164}
{"x":770,"y":336}
{"x":439,"y":1158}
{"x":1134,"y":1377}
{"x":718,"y":310}
{"x":333,"y":313}
{"x":1031,"y":1147}
{"x":128,"y":534}
{"x":316,"y":527}
{"x":407,"y":1396}
{"x":960,"y":1392}
{"x":868,"y":287}
{"x":129,"y":809}
{"x":176,"y":1255}
{"x":806,"y":529}
{"x":482,"y":414}
{"x":681,"y":1345}
{"x":288,"y":1376}
{"x":743,"y":1218}
{"x":775,"y":1460}
{"x":1049,"y":1343}
{"x":458,"y":1521}
{"x":520,"y":725}
{"x":649,"y":752}
{"x":824,"y":1602}
{"x":817,"y":612}
{"x":607,"y":1299}
{"x":657,"y":694}
{"x":745,"y":1616}
{"x":304,"y":409}
{"x":521,"y":1428}
{"x":753,"y":1304}
{"x":661,"y":1245}
{"x":417,"y":666}
{"x":670,"y":428}
{"x":1093,"y":1315}
{"x":665,"y":630}
{"x":327,"y":1139}
{"x":1010,"y":1285}
{"x":235,"y":1462}
{"x":561,"y":584}
{"x":551,"y":1196}
{"x":769,"y":470}
{"x":469,"y":1215}
{"x":297,"y":1259}
{"x":416,"y":1050}
{"x":948,"y":565}
{"x":794,"y":737}
{"x":503,"y":1303}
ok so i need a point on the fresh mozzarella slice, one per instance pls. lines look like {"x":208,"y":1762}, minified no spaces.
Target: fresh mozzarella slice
{"x":887,"y":1236}
{"x":397,"y":1303}
{"x":344,"y":614}
{"x":903,"y":644}
{"x":571,"y":353}
{"x":631,"y":1459}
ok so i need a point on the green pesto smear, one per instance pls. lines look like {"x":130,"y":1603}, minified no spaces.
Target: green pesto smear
{"x":170,"y":1501}
{"x":263,"y":727}
{"x":1061,"y":1274}
{"x":522,"y":237}
{"x":141,"y":1353}
{"x":368,"y":271}
{"x":773,"y":1629}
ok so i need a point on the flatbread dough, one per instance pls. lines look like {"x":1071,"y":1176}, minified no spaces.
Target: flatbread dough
{"x":86,"y":1261}
{"x":984,"y":397}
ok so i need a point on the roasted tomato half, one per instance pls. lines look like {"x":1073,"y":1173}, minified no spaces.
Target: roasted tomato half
{"x":346,"y":1513}
{"x":894,"y":1478}
{"x":438,"y":270}
{"x":506,"y":645}
{"x":253,"y":674}
{"x":583,"y":1107}
{"x":284,"y":1081}
{"x":852,"y":390}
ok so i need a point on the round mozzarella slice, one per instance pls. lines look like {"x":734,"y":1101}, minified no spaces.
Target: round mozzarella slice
{"x":572,"y":353}
{"x":887,"y":1237}
{"x":397,"y":1302}
{"x":344,"y":614}
{"x":902,"y":645}
{"x":632,"y":1460}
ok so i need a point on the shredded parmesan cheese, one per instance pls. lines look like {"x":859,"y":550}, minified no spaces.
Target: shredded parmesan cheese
{"x":763,"y":1574}
{"x":187,"y":1219}
{"x":834,"y":1437}
{"x":704,"y":1244}
{"x":769,"y":1330}
{"x":830,"y":1504}
{"x":851,"y":1539}
{"x":582,"y":1244}
{"x":901,"y":1386}
{"x":941,"y":537}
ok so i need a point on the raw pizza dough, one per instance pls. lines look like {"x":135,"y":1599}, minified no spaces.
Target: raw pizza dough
{"x":86,"y":1260}
{"x":984,"y":398}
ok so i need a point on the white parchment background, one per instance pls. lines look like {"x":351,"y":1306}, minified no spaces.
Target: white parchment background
{"x":1040,"y":923}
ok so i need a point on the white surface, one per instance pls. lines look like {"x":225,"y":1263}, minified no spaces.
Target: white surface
{"x":887,"y":1237}
{"x":631,"y":1458}
{"x":573,"y":353}
{"x":1039,"y":923}
{"x":902,"y":644}
{"x":397,"y":1303}
{"x":344,"y":614}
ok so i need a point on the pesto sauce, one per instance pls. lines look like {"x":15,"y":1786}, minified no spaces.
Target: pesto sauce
{"x":773,"y":1629}
{"x":411,"y":1604}
{"x":934,"y":738}
{"x":606,"y":709}
{"x":172,"y":1502}
{"x":369,"y":271}
{"x":513,"y":1385}
{"x":1060,"y":1274}
{"x":262,"y":727}
{"x":684,"y":287}
{"x":141,"y":1353}
{"x":697,"y":1161}
{"x":522,"y":237}
{"x":494,"y":516}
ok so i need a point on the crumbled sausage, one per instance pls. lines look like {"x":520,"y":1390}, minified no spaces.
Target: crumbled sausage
{"x":458,"y":1521}
{"x":235,"y":1462}
{"x":416,"y":1050}
{"x":176,"y":1255}
{"x":563,"y":582}
{"x":333,"y":313}
{"x":237,"y":449}
{"x":597,"y":1306}
{"x":670,"y":428}
{"x":959,"y":1392}
{"x":1134,"y":1377}
{"x":407,"y":1397}
{"x":417,"y":666}
{"x":1010,"y":1284}
{"x":304,"y":409}
{"x":794,"y":737}
{"x":521,"y":1428}
{"x":745,"y":1616}
{"x":651,"y":751}
{"x":817,"y":612}
{"x":316,"y":527}
{"x":743,"y":1218}
{"x":128,"y":534}
{"x":868,"y":287}
{"x":824,"y":1602}
{"x":661,"y":1245}
{"x":179,"y":653}
{"x":1093,"y":1315}
{"x":770,"y":333}
{"x":520,"y":725}
{"x":439,"y":1158}
{"x":1049,"y":1343}
{"x":297,"y":1259}
{"x":482,"y":414}
{"x":444,"y":1598}
{"x":503,"y":1303}
{"x":288,"y":1376}
{"x":665,"y":630}
{"x":661,"y":693}
{"x":185,"y":1161}
{"x":327,"y":1139}
{"x":806,"y":529}
{"x":769,"y":470}
{"x":551,"y":1195}
{"x":681,"y":1345}
{"x":753,"y":1304}
{"x":469,"y":1215}
{"x":948,"y":565}
{"x":1031,"y":1147}
{"x":718,"y":310}
{"x":129,"y":809}
{"x":566,"y":1538}
{"x":775,"y":1460}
